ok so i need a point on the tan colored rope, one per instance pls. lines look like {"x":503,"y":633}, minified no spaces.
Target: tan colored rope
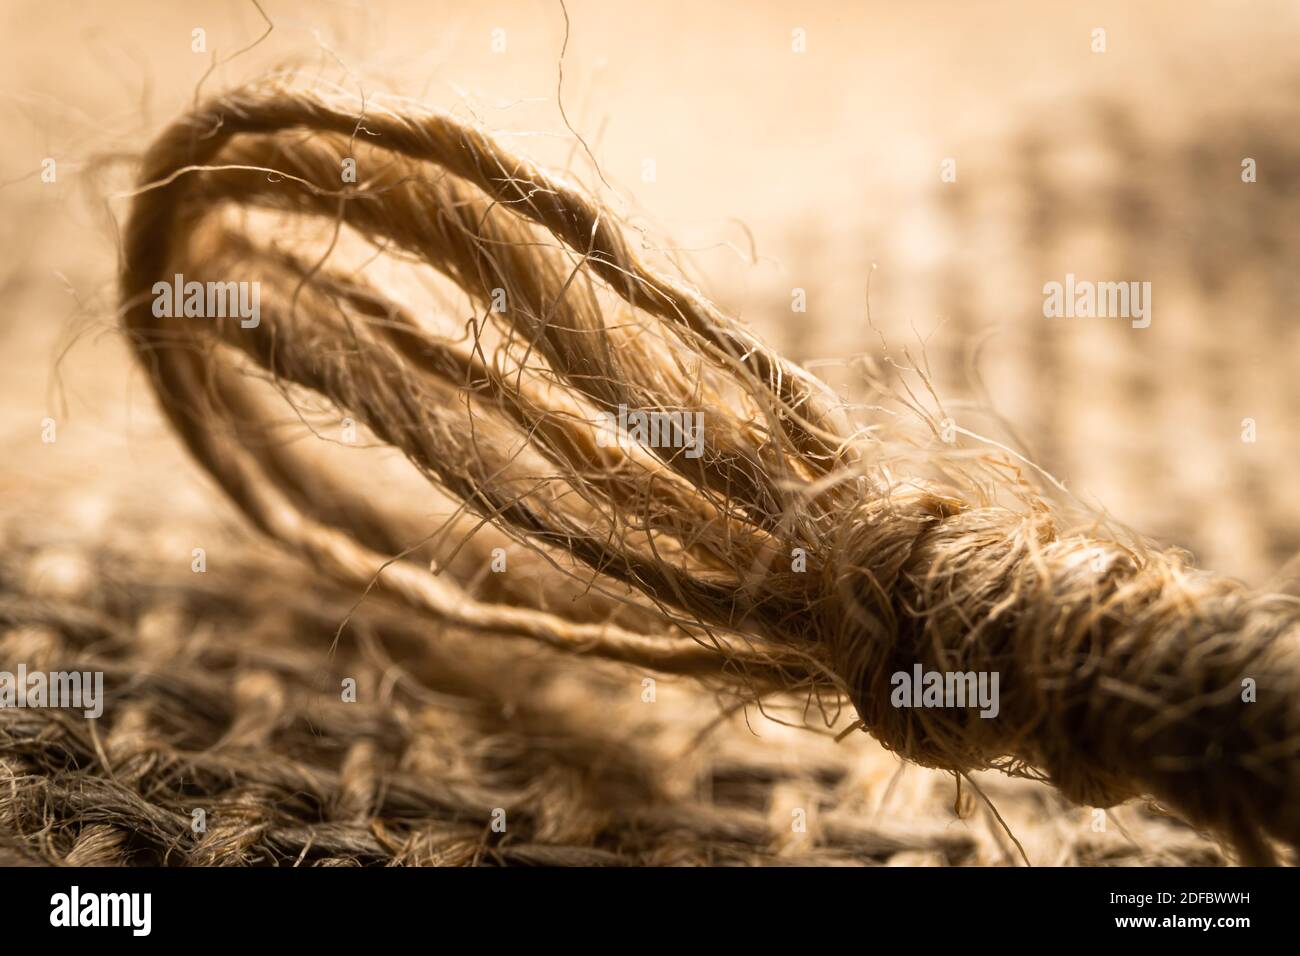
{"x":1121,"y":669}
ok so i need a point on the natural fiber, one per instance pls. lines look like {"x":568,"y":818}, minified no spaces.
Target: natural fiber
{"x":1121,"y":668}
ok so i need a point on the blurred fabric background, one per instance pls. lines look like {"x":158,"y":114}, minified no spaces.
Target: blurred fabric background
{"x":776,"y":152}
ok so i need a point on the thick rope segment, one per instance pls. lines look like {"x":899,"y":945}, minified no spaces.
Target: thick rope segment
{"x":1121,"y":671}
